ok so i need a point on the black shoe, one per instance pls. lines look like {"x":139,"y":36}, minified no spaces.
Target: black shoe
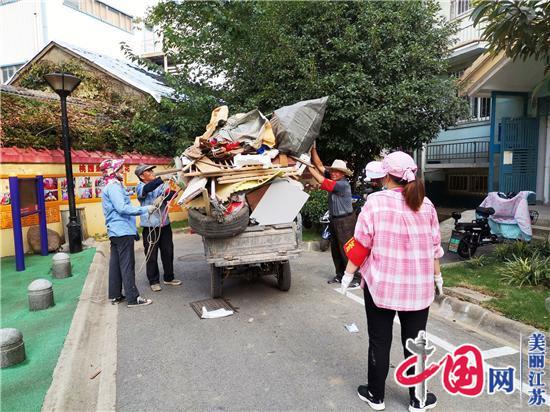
{"x":140,"y":302}
{"x":335,"y":279}
{"x":365,"y":395}
{"x":118,"y":300}
{"x":354,"y":283}
{"x":431,"y":402}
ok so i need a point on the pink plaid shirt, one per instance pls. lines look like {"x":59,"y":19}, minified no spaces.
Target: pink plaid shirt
{"x":400,"y":268}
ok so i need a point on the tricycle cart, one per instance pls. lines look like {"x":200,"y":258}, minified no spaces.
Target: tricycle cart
{"x":259,"y":250}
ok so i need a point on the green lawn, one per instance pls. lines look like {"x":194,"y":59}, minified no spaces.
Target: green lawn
{"x":24,"y":385}
{"x":524,"y":304}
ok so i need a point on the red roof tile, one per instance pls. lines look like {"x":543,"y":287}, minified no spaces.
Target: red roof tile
{"x":30,"y":155}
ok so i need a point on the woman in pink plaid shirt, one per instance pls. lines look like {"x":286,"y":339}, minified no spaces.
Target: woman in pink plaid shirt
{"x":399,"y":231}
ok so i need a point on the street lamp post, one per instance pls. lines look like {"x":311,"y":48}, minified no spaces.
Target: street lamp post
{"x":64,"y":84}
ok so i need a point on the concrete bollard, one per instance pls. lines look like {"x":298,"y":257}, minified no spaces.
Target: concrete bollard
{"x":11,"y":346}
{"x":40,"y":294}
{"x":61,"y":265}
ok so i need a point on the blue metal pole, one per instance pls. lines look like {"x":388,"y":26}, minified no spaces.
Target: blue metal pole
{"x":42,"y":215}
{"x":16,"y":220}
{"x":492,"y":141}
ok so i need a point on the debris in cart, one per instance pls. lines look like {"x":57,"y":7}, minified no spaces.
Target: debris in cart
{"x":237,"y":161}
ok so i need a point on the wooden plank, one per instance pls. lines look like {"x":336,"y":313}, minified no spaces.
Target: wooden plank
{"x":207,"y":201}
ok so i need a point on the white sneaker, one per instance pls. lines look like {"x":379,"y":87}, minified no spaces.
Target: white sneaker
{"x":156,"y":287}
{"x":173,"y":282}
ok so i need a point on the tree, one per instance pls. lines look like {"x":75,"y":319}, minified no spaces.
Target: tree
{"x":383,"y":64}
{"x":519,"y":28}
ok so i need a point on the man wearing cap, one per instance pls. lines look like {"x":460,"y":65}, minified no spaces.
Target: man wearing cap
{"x":120,"y":219}
{"x":157,"y":232}
{"x":374,"y":174}
{"x":342,"y":216}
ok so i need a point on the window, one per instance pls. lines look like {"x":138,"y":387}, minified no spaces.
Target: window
{"x":480,"y":109}
{"x":7,"y":72}
{"x":459,"y":7}
{"x":474,"y":184}
{"x":103,"y":12}
{"x":458,"y":183}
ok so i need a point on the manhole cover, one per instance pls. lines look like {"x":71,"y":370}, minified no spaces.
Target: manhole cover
{"x":211,"y":304}
{"x":194,"y":257}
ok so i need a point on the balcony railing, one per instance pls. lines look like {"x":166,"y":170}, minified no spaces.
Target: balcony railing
{"x":464,"y":152}
{"x":466,"y":32}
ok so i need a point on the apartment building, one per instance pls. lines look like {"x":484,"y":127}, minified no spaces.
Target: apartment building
{"x":504,"y":143}
{"x":27,"y":26}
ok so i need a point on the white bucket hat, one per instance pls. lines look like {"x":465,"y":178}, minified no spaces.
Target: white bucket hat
{"x":340,"y":166}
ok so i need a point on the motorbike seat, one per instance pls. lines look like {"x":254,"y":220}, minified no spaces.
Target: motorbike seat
{"x":485,"y":211}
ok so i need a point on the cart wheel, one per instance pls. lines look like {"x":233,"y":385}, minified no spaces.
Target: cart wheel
{"x":215,"y":281}
{"x":283,"y":276}
{"x":465,"y":249}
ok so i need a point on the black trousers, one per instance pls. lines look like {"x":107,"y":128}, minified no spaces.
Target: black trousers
{"x":341,"y":230}
{"x":380,"y":328}
{"x":122,"y":268}
{"x":166,"y":247}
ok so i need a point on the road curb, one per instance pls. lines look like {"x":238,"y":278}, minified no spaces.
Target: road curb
{"x":480,"y":318}
{"x":85,"y":375}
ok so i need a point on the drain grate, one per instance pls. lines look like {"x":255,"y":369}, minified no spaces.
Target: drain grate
{"x":211,"y":304}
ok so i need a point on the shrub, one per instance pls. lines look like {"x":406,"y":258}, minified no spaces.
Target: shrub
{"x":517,"y":248}
{"x":315,"y":207}
{"x":533,"y":270}
{"x":523,"y":249}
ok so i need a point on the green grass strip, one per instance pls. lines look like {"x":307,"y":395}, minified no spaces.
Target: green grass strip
{"x":524,"y":304}
{"x":24,"y":386}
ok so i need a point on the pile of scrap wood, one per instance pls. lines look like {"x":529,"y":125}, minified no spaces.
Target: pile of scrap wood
{"x":233,"y":163}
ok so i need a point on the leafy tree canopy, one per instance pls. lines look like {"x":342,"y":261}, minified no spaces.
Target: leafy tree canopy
{"x":519,"y":28}
{"x":383,"y":64}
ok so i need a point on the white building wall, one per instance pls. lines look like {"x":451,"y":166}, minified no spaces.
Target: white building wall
{"x":26,"y":26}
{"x":20,"y":31}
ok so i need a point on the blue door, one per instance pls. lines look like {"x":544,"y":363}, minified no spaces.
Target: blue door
{"x":518,"y":154}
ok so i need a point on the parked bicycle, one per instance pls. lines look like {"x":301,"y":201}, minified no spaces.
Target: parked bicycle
{"x":467,"y":237}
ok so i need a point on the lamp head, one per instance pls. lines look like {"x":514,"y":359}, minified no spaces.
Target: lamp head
{"x":62,"y":83}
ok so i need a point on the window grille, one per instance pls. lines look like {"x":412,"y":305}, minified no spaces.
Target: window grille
{"x":103,"y":12}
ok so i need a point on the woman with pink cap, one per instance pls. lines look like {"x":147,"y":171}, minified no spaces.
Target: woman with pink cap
{"x":396,"y":246}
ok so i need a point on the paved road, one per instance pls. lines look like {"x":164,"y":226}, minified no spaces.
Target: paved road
{"x":281,"y":351}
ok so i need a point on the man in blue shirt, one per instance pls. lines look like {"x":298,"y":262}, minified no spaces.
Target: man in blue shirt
{"x":157,"y":232}
{"x":120,"y":219}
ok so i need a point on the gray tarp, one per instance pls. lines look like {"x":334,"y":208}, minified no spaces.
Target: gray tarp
{"x":296,"y":127}
{"x":247,"y":127}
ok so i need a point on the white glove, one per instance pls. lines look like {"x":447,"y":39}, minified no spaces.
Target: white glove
{"x":346,"y":280}
{"x":438,"y":279}
{"x":150,"y":209}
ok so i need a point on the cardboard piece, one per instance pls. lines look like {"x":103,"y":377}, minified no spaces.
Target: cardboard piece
{"x":281,"y":203}
{"x":193,"y":189}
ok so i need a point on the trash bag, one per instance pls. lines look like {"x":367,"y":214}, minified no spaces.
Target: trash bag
{"x":252,"y":128}
{"x":296,"y":127}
